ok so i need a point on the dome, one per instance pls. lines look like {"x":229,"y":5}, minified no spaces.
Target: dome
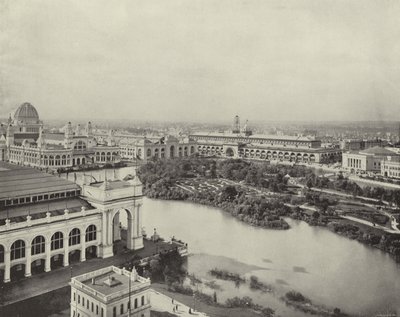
{"x":27,"y":113}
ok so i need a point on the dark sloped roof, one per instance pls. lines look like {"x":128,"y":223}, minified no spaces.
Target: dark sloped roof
{"x":18,"y":181}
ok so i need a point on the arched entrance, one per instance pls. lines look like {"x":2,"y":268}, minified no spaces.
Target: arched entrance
{"x":172,"y":151}
{"x":122,"y":230}
{"x":74,"y":256}
{"x":229,"y":152}
{"x":17,"y":272}
{"x":37,"y":266}
{"x":56,"y":261}
{"x":91,"y":252}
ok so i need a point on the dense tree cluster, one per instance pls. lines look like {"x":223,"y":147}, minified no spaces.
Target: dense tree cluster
{"x":344,"y":185}
{"x":168,"y":268}
{"x":262,"y":175}
{"x":160,"y":178}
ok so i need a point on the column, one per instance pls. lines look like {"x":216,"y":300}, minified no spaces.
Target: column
{"x":66,"y":251}
{"x":28,"y":250}
{"x":116,"y":227}
{"x":83,"y":246}
{"x":47,"y":266}
{"x":131,"y":232}
{"x":139,"y":220}
{"x":7,"y":262}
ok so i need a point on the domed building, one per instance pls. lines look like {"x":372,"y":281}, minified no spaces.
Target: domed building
{"x":26,"y":120}
{"x":23,"y":142}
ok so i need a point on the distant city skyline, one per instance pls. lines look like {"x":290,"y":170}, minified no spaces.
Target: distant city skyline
{"x":202,"y":60}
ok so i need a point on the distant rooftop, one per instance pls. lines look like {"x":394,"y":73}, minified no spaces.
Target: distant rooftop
{"x":255,"y":136}
{"x":377,"y":150}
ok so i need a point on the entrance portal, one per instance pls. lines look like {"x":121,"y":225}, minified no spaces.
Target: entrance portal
{"x":37,"y":266}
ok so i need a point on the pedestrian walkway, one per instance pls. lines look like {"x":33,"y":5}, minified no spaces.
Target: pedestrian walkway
{"x":46,"y":282}
{"x":368,"y":223}
{"x":163,"y":303}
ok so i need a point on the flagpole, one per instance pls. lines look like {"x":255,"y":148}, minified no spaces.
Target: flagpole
{"x":129,"y":294}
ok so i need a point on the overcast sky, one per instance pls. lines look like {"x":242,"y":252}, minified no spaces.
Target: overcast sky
{"x":202,"y":59}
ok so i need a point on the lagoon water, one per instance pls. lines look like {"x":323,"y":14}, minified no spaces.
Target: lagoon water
{"x":329,"y":269}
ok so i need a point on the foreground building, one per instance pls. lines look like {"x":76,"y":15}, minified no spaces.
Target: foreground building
{"x":110,"y":292}
{"x":241,"y":143}
{"x":23,"y":142}
{"x":47,"y":221}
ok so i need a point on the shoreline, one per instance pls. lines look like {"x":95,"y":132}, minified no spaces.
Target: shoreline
{"x":330,"y":225}
{"x":210,"y":310}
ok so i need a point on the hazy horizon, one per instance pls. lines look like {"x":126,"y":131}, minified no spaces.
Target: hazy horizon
{"x":202,"y":60}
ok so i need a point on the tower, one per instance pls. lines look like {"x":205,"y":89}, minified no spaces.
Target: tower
{"x":78,"y":130}
{"x":68,"y":135}
{"x":10,"y":135}
{"x":89,"y":130}
{"x":41,"y":143}
{"x":111,"y":138}
{"x":236,"y":125}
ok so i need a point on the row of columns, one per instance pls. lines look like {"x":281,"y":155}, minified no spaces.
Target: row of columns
{"x":47,"y":266}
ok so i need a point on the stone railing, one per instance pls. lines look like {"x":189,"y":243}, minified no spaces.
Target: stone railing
{"x":29,"y":222}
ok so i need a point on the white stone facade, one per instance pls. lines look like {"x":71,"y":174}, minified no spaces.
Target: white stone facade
{"x":110,"y":292}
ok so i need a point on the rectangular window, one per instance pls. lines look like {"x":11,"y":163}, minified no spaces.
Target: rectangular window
{"x":83,"y":301}
{"x":97,"y":309}
{"x":74,"y":297}
{"x":79,"y":299}
{"x":92,"y":307}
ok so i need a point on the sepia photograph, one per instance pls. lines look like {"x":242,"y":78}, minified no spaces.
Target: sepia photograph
{"x":209,"y":158}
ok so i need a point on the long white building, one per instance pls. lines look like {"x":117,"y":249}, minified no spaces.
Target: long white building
{"x":47,"y":221}
{"x":242,"y":143}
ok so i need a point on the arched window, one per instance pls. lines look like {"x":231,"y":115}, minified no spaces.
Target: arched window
{"x":74,"y":236}
{"x":142,"y":300}
{"x":136,"y":303}
{"x":91,"y":233}
{"x":80,"y":145}
{"x":148,"y":152}
{"x":18,"y":250}
{"x":57,"y":241}
{"x":1,"y":254}
{"x":38,"y":245}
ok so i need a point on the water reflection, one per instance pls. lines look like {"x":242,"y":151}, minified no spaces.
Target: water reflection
{"x":327,"y":268}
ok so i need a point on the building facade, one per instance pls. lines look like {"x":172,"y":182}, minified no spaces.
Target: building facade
{"x":163,"y":148}
{"x":110,"y":292}
{"x":390,"y":167}
{"x":369,"y":160}
{"x":241,"y":143}
{"x":23,"y":142}
{"x":46,"y":221}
